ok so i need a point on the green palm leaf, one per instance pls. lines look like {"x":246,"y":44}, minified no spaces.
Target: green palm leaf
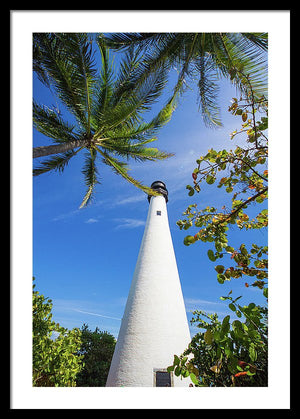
{"x":201,"y":57}
{"x":56,"y":163}
{"x":49,"y":123}
{"x":90,"y":173}
{"x":121,"y":168}
{"x":129,"y":100}
{"x":66,"y":60}
{"x":103,"y":89}
{"x":208,"y":91}
{"x":137,"y":151}
{"x":237,"y":58}
{"x":108,"y":108}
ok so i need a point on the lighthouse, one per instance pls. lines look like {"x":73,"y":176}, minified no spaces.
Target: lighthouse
{"x":154,"y":326}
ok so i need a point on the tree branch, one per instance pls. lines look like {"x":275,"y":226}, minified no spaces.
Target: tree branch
{"x":242,"y":205}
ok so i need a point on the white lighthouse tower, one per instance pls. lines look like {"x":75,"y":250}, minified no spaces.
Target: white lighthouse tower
{"x":154,"y":325}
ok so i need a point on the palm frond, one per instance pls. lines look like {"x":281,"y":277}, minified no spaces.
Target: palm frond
{"x":90,"y":173}
{"x":237,"y":56}
{"x":163,"y":52}
{"x":186,"y":56}
{"x":84,"y":61}
{"x":233,"y":54}
{"x":56,"y":163}
{"x":127,"y":109}
{"x":137,"y":132}
{"x":137,"y":151}
{"x":121,"y":168}
{"x":104,"y":88}
{"x":37,"y":61}
{"x":208,"y":91}
{"x":156,"y":51}
{"x":49,"y":123}
{"x":259,"y":39}
{"x":67,"y":64}
{"x":126,"y":78}
{"x":120,"y":41}
{"x":143,"y":131}
{"x":164,"y":115}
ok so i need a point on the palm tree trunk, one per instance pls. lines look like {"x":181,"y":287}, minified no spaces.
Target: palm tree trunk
{"x":58,"y":148}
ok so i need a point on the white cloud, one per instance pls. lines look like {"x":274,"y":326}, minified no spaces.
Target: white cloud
{"x":210,"y":307}
{"x":192,"y":304}
{"x":66,"y":215}
{"x":195,"y":301}
{"x":131,"y":199}
{"x":128,"y":223}
{"x":64,"y":312}
{"x":95,"y":314}
{"x":91,"y":221}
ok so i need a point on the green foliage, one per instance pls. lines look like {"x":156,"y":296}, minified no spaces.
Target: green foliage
{"x":232,"y":353}
{"x":201,"y":58}
{"x":55,"y":360}
{"x":246,"y":180}
{"x":227,"y":353}
{"x":97,"y":349}
{"x":107,"y":107}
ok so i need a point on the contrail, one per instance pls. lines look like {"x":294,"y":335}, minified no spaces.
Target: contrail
{"x":95,"y":314}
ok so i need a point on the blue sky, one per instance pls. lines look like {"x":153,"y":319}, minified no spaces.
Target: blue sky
{"x":83,"y":259}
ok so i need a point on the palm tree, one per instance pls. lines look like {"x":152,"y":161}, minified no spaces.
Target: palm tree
{"x":204,"y":58}
{"x":106,"y":108}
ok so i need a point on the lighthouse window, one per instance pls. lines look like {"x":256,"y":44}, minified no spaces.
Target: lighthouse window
{"x":158,"y":212}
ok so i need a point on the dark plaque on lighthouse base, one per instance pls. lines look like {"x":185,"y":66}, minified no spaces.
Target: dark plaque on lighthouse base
{"x":162,"y":379}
